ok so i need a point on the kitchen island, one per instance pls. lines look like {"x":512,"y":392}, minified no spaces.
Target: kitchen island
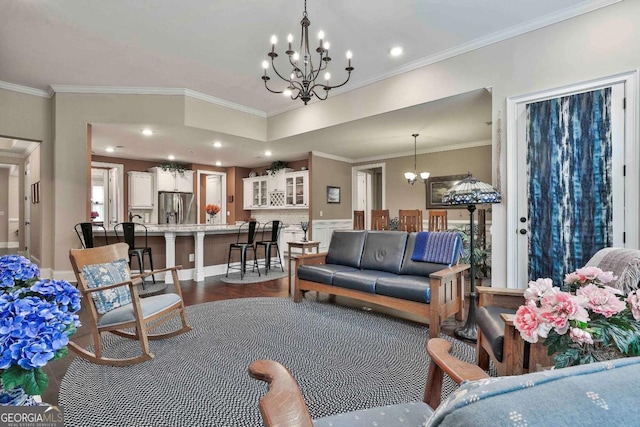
{"x":201,"y":249}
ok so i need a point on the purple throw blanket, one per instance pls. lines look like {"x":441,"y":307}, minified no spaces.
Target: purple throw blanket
{"x":437,"y":247}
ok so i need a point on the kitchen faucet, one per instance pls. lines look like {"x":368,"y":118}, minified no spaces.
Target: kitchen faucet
{"x":131,"y":216}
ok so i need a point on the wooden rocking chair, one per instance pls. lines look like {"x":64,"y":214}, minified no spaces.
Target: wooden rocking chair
{"x":105,"y":269}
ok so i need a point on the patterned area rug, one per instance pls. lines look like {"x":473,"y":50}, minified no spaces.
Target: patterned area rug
{"x":343,"y":358}
{"x":252,"y":276}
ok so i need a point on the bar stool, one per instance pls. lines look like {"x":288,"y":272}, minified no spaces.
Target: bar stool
{"x":251,"y":229}
{"x":275,"y":226}
{"x":128,"y":231}
{"x":84,"y":230}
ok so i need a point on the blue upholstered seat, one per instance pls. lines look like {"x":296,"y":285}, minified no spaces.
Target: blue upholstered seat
{"x":413,"y":414}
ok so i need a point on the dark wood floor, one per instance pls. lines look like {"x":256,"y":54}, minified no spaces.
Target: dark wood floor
{"x":196,"y":293}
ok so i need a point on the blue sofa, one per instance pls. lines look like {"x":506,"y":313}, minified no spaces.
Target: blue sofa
{"x":376,"y":267}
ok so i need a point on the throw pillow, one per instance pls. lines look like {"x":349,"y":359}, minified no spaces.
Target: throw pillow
{"x":98,"y":275}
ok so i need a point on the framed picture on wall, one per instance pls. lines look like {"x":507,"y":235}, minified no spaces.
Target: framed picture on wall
{"x":333,"y":194}
{"x":437,"y":186}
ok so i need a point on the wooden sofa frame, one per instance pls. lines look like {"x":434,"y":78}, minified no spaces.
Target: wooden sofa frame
{"x":447,"y":293}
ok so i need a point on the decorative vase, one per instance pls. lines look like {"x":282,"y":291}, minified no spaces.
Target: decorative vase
{"x":15,"y":397}
{"x":305,"y":227}
{"x":212,"y":218}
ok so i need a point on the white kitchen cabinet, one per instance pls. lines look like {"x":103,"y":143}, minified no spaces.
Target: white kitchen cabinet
{"x":173,"y":181}
{"x":141,"y":194}
{"x":297,"y":189}
{"x":256,"y":192}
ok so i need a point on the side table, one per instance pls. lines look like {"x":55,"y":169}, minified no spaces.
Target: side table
{"x":304,"y":246}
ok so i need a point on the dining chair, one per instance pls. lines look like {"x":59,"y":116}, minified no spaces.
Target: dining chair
{"x":438,"y":220}
{"x":270,"y":230}
{"x":245,"y":240}
{"x":113,"y":304}
{"x":380,"y":219}
{"x":126,"y":231}
{"x":358,"y":220}
{"x":410,"y":220}
{"x":85,"y":232}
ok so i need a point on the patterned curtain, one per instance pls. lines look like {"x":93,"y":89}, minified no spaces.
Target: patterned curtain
{"x":569,"y":182}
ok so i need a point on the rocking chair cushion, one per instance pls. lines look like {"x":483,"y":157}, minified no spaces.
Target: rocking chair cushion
{"x":149,"y":306}
{"x":97,"y":275}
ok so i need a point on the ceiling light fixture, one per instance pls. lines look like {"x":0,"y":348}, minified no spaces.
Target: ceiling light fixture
{"x":217,"y":144}
{"x":302,"y":78}
{"x":171,"y":157}
{"x":218,"y":163}
{"x":110,"y":149}
{"x":396,"y":51}
{"x":413,"y":176}
{"x":268,"y":153}
{"x":147,"y":132}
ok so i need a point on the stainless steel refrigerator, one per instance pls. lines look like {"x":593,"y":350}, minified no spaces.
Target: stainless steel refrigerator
{"x":176,"y":208}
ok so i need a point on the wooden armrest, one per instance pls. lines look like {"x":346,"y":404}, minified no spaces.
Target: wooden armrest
{"x":508,"y":318}
{"x":283,"y":405}
{"x":500,"y":297}
{"x":443,"y":362}
{"x":455,"y":269}
{"x":500,"y":291}
{"x":151,"y":273}
{"x":133,"y":282}
{"x":311,"y":259}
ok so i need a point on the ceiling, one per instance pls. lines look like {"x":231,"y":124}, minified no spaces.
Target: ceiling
{"x":216,"y":48}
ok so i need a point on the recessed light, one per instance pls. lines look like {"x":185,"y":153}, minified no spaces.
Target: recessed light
{"x":217,"y":144}
{"x":110,"y":149}
{"x":171,"y":157}
{"x":147,"y":132}
{"x":218,"y":163}
{"x":268,"y":153}
{"x":396,"y":51}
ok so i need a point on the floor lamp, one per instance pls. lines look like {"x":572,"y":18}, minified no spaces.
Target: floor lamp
{"x":471,"y":192}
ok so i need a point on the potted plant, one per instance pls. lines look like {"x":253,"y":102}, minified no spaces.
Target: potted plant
{"x":37,"y":317}
{"x":174,"y":167}
{"x":276,"y":166}
{"x":481,"y":252}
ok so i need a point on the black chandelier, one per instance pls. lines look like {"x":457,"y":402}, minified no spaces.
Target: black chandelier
{"x":302,"y":79}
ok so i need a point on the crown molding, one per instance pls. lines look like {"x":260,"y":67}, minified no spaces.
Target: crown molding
{"x":24,"y":89}
{"x":431,"y":150}
{"x":114,"y":90}
{"x":332,"y":157}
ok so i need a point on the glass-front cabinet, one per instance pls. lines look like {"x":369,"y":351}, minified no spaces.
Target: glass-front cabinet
{"x":259,"y":192}
{"x":296,"y":189}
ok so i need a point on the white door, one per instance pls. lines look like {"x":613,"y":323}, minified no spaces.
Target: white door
{"x":112,"y":201}
{"x":213,"y":196}
{"x":27,"y":206}
{"x":571,"y":183}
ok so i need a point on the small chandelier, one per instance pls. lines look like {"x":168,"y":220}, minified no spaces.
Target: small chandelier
{"x":413,"y":176}
{"x":302,"y":79}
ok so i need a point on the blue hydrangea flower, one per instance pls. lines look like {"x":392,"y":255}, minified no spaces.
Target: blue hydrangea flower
{"x":36,"y":316}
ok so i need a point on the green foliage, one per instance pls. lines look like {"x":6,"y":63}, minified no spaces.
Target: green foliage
{"x":481,"y":255}
{"x":174,"y":167}
{"x":33,"y":381}
{"x":276,"y":166}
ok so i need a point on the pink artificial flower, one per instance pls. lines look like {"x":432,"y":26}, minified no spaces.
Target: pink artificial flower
{"x":580,"y":336}
{"x":590,"y":274}
{"x":601,"y":300}
{"x":527,"y":322}
{"x":634,"y":301}
{"x":558,"y":308}
{"x":539,"y":289}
